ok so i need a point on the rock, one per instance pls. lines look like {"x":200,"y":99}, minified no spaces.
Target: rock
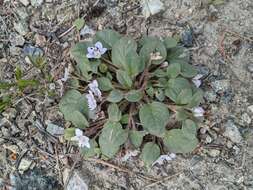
{"x":40,"y":40}
{"x":76,"y":182}
{"x":87,"y":31}
{"x":250,"y":109}
{"x":24,"y":2}
{"x":246,"y":118}
{"x":187,"y":37}
{"x":203,"y":70}
{"x":15,"y":50}
{"x":55,"y":129}
{"x":30,"y":50}
{"x":21,"y":27}
{"x":24,"y":165}
{"x":232,"y":132}
{"x":22,"y":13}
{"x":111,"y":3}
{"x":36,"y":3}
{"x":250,"y":67}
{"x":36,"y":179}
{"x":10,"y":113}
{"x":213,"y":153}
{"x":220,"y":85}
{"x":210,"y":96}
{"x":16,"y":39}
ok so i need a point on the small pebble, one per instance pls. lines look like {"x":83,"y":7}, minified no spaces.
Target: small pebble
{"x":250,"y":67}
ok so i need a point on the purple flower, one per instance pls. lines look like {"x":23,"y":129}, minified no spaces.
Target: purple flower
{"x":96,"y":51}
{"x":196,"y":80}
{"x":198,"y":111}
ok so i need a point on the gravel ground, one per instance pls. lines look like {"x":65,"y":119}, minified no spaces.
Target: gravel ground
{"x":220,"y":39}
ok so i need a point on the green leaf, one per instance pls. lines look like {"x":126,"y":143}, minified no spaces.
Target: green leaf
{"x":107,"y":37}
{"x":181,"y":114}
{"x":182,"y":140}
{"x":154,"y":117}
{"x":124,"y":79}
{"x":121,"y":49}
{"x":184,"y":97}
{"x":170,"y":42}
{"x":175,"y":86}
{"x":188,"y":70}
{"x":104,"y":84}
{"x":173,"y":70}
{"x":111,"y":138}
{"x":78,"y":52}
{"x":136,"y":137}
{"x":115,"y":96}
{"x":92,"y":151}
{"x":178,"y":55}
{"x":150,"y":91}
{"x":152,"y":45}
{"x":69,"y":133}
{"x":114,"y":113}
{"x":196,"y":99}
{"x":124,"y":119}
{"x":159,"y":94}
{"x":125,"y":57}
{"x":78,"y":119}
{"x":150,"y":153}
{"x":22,"y":83}
{"x":72,"y":101}
{"x":5,"y":101}
{"x":134,"y":96}
{"x":159,"y":73}
{"x":6,"y":85}
{"x":79,"y":23}
{"x":18,"y":73}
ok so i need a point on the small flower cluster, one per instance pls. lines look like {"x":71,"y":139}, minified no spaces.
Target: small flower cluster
{"x":81,"y":139}
{"x":93,"y":90}
{"x":96,"y":52}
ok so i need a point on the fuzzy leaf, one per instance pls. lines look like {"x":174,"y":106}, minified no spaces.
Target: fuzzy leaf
{"x":78,"y":23}
{"x":124,"y":119}
{"x":150,"y":153}
{"x":188,"y":70}
{"x":182,"y":140}
{"x":184,"y":97}
{"x":154,"y":117}
{"x":175,"y":86}
{"x":133,"y":96}
{"x":72,"y":101}
{"x":151,"y":7}
{"x":107,"y":37}
{"x":124,"y":79}
{"x":111,"y":138}
{"x":125,"y":57}
{"x":136,"y":137}
{"x":152,"y":45}
{"x":173,"y":70}
{"x":178,"y":55}
{"x":69,"y":133}
{"x":104,"y":84}
{"x":115,"y":96}
{"x":170,"y":42}
{"x":196,"y":99}
{"x":78,"y":119}
{"x":92,"y":151}
{"x":114,"y":112}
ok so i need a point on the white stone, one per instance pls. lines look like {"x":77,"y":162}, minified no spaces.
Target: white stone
{"x":77,"y":182}
{"x":246,"y":118}
{"x":250,"y":109}
{"x":24,"y":2}
{"x":232,"y":132}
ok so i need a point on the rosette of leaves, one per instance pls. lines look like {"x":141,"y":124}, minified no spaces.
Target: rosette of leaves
{"x":146,"y":102}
